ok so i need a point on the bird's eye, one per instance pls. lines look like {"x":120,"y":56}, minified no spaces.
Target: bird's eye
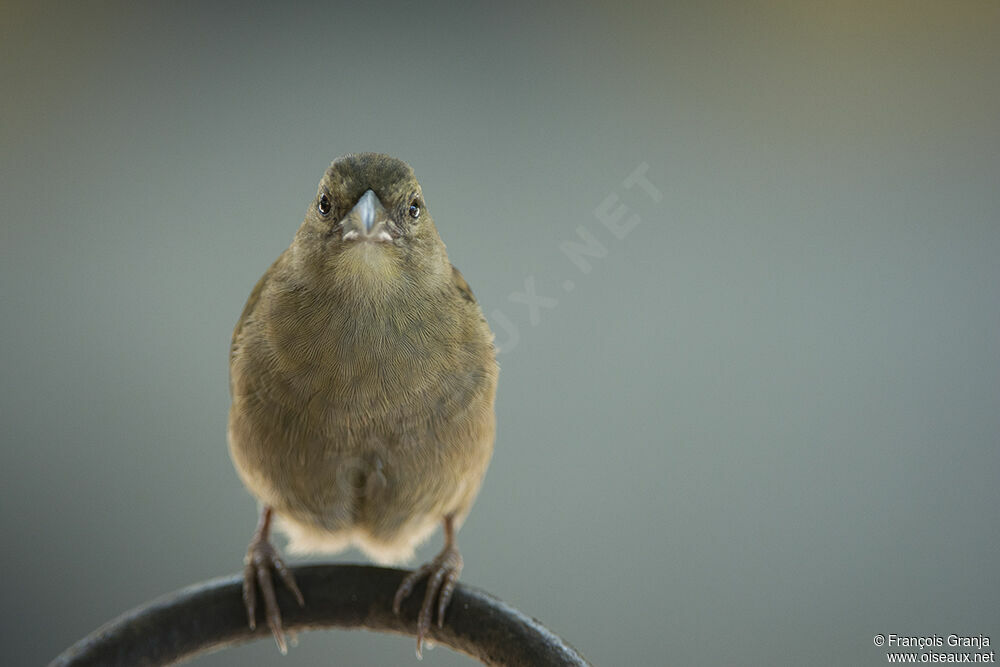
{"x":324,"y":205}
{"x":415,"y":209}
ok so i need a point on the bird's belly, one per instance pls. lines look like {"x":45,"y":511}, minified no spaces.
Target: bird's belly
{"x":341,"y":476}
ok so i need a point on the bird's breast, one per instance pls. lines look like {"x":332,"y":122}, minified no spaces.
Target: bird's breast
{"x":347,"y":371}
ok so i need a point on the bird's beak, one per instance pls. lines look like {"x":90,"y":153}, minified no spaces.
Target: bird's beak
{"x":367,"y":220}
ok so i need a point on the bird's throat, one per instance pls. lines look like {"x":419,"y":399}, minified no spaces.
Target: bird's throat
{"x":370,"y":268}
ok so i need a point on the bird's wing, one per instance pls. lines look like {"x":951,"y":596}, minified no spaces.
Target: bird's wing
{"x":251,"y":305}
{"x":458,"y":280}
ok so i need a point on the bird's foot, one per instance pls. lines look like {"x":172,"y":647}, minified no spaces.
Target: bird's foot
{"x":442,"y":575}
{"x":261,"y":558}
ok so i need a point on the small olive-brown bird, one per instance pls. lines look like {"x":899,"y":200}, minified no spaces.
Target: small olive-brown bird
{"x":363,"y":377}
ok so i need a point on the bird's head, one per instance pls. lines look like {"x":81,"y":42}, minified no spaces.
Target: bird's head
{"x":368,"y":231}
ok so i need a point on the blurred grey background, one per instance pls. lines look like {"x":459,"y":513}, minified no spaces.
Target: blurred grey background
{"x":761,"y":429}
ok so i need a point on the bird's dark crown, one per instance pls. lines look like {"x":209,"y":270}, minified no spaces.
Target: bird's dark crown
{"x":348,"y":177}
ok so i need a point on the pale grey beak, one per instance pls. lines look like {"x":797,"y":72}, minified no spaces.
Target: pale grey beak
{"x":367,"y":220}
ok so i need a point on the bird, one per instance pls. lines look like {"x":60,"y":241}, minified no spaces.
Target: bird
{"x":363,"y":378}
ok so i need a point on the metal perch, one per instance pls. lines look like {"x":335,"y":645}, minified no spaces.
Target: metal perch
{"x":210,"y":616}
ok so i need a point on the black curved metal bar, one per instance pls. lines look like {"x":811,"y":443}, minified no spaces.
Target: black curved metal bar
{"x":210,"y":616}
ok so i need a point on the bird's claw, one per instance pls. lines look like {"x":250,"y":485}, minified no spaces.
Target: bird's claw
{"x":261,"y":558}
{"x":442,"y":576}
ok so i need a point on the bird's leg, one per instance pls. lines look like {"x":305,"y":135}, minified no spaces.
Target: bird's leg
{"x":261,"y":558}
{"x":442,"y":575}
